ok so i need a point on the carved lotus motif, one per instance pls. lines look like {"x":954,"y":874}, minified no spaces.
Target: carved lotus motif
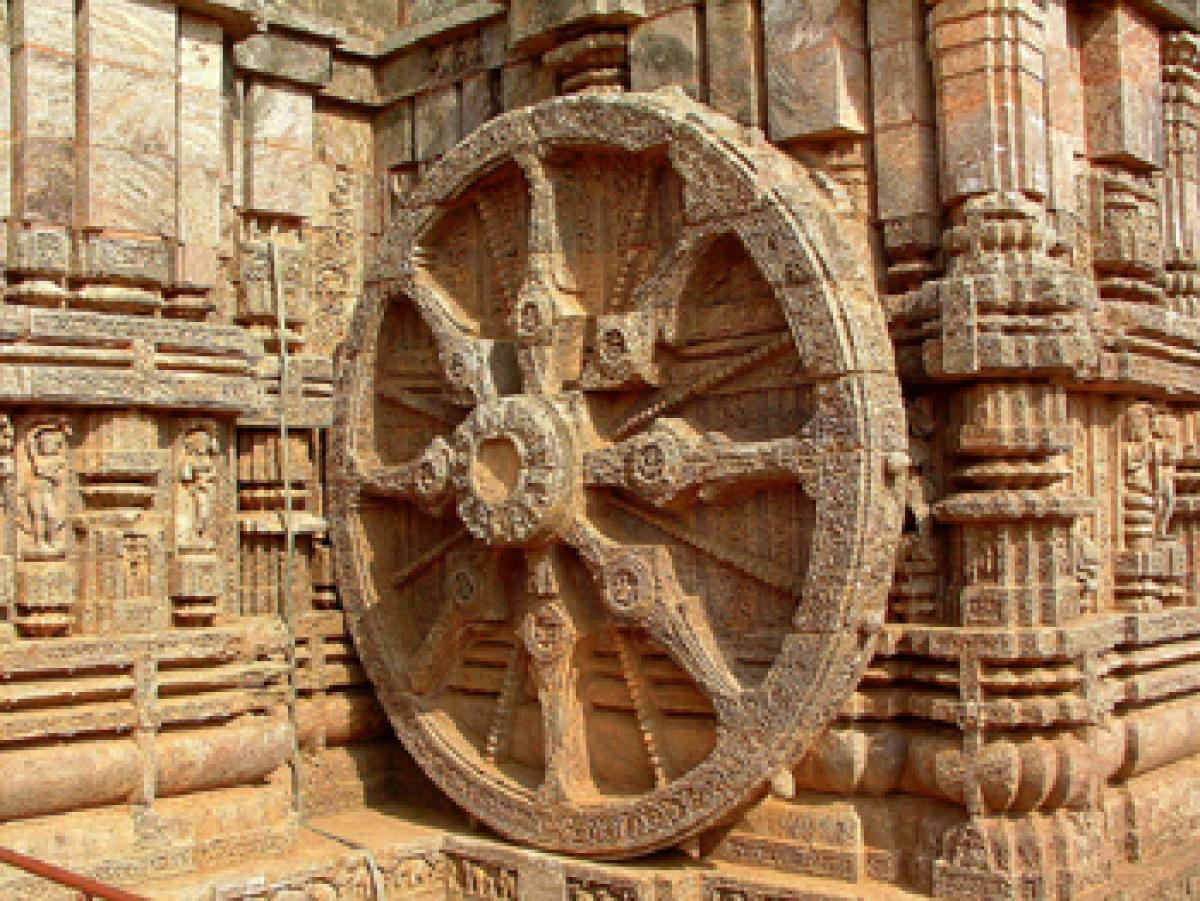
{"x":613,"y":514}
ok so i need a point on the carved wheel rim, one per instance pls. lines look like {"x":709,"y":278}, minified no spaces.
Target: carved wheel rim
{"x":526,"y":471}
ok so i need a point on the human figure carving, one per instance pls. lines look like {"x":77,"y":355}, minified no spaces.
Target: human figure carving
{"x":1166,"y":454}
{"x":45,"y":495}
{"x":1137,"y":464}
{"x":198,"y":476}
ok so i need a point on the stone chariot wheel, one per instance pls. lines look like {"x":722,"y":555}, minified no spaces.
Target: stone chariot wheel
{"x":616,"y":443}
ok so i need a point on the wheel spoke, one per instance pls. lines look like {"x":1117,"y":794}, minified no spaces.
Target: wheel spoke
{"x":548,"y":323}
{"x":659,"y":293}
{"x":754,"y":568}
{"x":428,"y":406}
{"x":425,"y":480}
{"x":472,"y":596}
{"x":506,"y":704}
{"x":476,"y":369}
{"x":672,"y":464}
{"x":429,"y":558}
{"x":639,"y":586}
{"x":437,"y":653}
{"x":649,"y":719}
{"x":550,"y":637}
{"x":676,"y":396}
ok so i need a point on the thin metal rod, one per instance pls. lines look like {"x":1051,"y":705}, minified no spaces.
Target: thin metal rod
{"x":287,"y":600}
{"x":287,"y":603}
{"x":90,"y":887}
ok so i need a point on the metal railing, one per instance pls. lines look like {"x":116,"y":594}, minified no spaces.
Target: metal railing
{"x":88,"y":888}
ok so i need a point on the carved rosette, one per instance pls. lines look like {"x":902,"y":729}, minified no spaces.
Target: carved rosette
{"x":615,"y":492}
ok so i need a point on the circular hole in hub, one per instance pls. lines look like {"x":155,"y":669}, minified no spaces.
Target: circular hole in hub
{"x":497,"y":469}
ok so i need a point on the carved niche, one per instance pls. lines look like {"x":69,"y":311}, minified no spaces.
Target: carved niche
{"x":618,"y":467}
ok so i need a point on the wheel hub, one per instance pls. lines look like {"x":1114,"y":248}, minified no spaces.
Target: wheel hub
{"x":515,"y":470}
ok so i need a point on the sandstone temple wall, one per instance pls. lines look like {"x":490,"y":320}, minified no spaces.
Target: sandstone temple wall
{"x":192,"y":194}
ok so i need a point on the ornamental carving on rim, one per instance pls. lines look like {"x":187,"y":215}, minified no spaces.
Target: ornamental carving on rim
{"x":617,"y":453}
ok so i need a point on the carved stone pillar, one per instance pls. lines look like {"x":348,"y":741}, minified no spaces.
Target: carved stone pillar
{"x":1015,"y":558}
{"x":1125,"y":143}
{"x":906,"y":166}
{"x":1007,"y":302}
{"x":1181,"y":180}
{"x":121,"y":524}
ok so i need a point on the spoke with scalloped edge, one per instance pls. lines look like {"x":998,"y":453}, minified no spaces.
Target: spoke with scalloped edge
{"x":550,"y":638}
{"x":649,"y":720}
{"x":506,"y":705}
{"x":639,"y":586}
{"x":762,"y":571}
{"x":675,"y":397}
{"x":660,"y":291}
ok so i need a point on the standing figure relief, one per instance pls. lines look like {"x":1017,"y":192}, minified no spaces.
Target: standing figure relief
{"x":45,"y":494}
{"x":198,"y":478}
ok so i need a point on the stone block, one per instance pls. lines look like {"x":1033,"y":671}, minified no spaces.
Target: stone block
{"x":525,"y":83}
{"x":44,"y":94}
{"x":279,"y":149}
{"x":1121,"y":63}
{"x":140,"y":34}
{"x":394,"y":135}
{"x":279,"y":180}
{"x":344,"y":139}
{"x":902,"y":91}
{"x":480,"y":99}
{"x":44,"y":182}
{"x":39,"y":251}
{"x":48,"y":24}
{"x":1066,"y":130}
{"x":126,"y":259}
{"x":733,"y":59}
{"x":989,"y":63}
{"x":906,"y":172}
{"x":436,"y":125}
{"x":200,"y":54}
{"x":666,"y":51}
{"x":117,"y":114}
{"x":279,"y":115}
{"x":289,"y":57}
{"x":196,"y":576}
{"x":201,"y":137}
{"x":197,"y":265}
{"x":816,"y":69}
{"x":129,"y":191}
{"x":529,"y":20}
{"x":45,"y":584}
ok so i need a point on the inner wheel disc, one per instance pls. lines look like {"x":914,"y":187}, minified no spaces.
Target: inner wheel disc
{"x":612,"y":502}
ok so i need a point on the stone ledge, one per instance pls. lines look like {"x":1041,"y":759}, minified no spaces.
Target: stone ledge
{"x":441,"y":27}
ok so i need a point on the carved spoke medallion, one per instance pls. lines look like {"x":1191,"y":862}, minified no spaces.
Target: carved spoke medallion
{"x":613,"y":510}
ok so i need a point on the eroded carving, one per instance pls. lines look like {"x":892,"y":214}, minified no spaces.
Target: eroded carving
{"x":571,"y":529}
